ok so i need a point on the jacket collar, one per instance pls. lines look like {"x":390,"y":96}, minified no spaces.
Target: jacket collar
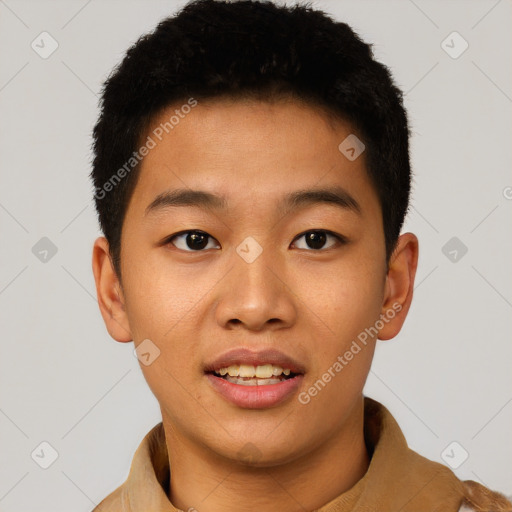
{"x":398,"y":479}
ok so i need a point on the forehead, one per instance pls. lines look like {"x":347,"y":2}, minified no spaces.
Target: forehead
{"x":249,"y":152}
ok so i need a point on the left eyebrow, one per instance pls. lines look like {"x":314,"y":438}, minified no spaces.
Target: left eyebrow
{"x":333,"y":195}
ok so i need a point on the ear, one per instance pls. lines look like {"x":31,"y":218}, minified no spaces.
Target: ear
{"x":399,"y":285}
{"x":109,"y":292}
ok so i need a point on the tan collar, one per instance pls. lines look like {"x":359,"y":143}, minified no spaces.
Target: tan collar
{"x":397,"y":478}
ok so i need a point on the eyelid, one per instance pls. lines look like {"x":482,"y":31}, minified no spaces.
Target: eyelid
{"x":168,"y":240}
{"x":340,"y":238}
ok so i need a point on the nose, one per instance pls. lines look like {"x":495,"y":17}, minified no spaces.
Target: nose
{"x":256,"y":294}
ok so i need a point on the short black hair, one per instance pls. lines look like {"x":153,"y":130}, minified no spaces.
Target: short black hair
{"x":249,"y":49}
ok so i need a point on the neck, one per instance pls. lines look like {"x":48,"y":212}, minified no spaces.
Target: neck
{"x":208,"y":482}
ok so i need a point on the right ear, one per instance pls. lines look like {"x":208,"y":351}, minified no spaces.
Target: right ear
{"x":109,"y":292}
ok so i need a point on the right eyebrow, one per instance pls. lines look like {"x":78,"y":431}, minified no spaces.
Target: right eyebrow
{"x":186,"y":197}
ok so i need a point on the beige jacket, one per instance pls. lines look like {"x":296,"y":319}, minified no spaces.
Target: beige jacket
{"x":398,"y":479}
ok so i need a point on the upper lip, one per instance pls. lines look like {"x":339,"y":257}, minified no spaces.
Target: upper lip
{"x":240,"y":356}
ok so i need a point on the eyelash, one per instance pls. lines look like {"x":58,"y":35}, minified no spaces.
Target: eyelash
{"x":340,"y":238}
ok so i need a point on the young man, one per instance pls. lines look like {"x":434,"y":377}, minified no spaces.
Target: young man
{"x":251,"y":177}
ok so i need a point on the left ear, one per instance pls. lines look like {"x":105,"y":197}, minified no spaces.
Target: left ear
{"x":399,"y":285}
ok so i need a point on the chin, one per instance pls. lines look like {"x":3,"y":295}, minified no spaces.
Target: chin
{"x":264,"y":451}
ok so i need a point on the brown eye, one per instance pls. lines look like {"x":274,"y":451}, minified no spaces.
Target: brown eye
{"x":316,"y":239}
{"x":191,"y":241}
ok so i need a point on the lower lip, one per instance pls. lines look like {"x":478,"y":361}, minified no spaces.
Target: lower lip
{"x":255,"y":397}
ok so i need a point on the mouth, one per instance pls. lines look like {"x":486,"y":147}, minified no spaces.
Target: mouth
{"x":253,"y":380}
{"x":250,"y":375}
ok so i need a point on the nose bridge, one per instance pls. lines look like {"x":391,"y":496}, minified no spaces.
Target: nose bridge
{"x":254,"y":293}
{"x":253,"y":261}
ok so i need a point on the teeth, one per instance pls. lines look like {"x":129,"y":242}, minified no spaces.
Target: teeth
{"x":277,"y":370}
{"x":265,"y":371}
{"x":246,"y":371}
{"x":253,"y":382}
{"x":232,"y":371}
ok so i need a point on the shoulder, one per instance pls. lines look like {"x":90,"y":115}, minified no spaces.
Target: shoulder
{"x":478,"y":498}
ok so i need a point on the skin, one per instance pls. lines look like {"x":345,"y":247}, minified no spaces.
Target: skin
{"x":310,"y":303}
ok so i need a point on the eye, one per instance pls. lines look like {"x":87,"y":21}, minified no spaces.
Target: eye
{"x":316,"y":239}
{"x":196,"y":241}
{"x":190,"y":241}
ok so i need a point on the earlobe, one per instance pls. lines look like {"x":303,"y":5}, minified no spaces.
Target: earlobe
{"x":109,"y":292}
{"x":399,"y":285}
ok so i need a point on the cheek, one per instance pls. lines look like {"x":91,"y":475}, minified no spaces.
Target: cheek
{"x":348,"y":307}
{"x":344,"y":350}
{"x":161,"y":305}
{"x":159,"y":297}
{"x":350,"y":299}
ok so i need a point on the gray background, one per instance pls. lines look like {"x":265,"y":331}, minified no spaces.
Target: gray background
{"x":63,"y":380}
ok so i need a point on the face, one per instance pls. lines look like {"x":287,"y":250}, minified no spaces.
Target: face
{"x":252,"y":279}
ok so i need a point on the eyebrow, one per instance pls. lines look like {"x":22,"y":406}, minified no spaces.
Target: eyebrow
{"x":333,"y":195}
